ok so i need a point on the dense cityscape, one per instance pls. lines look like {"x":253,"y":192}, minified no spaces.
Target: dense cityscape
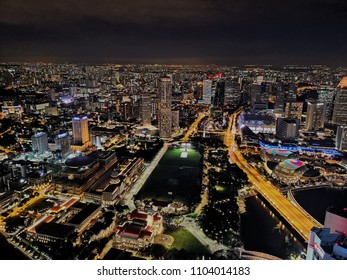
{"x":149,"y":161}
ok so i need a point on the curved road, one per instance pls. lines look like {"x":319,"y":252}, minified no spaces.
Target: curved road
{"x":296,"y":218}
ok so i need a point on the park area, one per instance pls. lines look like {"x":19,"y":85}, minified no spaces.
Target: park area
{"x":183,"y":239}
{"x":175,"y":178}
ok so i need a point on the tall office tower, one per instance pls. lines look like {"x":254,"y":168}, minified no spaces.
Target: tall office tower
{"x":340,"y":104}
{"x":199,"y":93}
{"x":330,"y":242}
{"x":259,"y":94}
{"x":62,"y":143}
{"x":207,"y":91}
{"x":218,"y":99}
{"x":279,"y":103}
{"x":292,"y":92}
{"x":164,"y":107}
{"x":341,"y":137}
{"x":232,"y":94}
{"x":293,"y":110}
{"x":175,"y":120}
{"x":80,"y":130}
{"x":327,"y":96}
{"x":40,"y":142}
{"x":315,"y":115}
{"x":146,"y":108}
{"x":287,"y":129}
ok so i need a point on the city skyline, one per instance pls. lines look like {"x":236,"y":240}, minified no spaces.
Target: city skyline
{"x":183,"y":32}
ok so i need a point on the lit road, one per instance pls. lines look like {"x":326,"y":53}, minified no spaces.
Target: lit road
{"x":301,"y":222}
{"x":193,"y":127}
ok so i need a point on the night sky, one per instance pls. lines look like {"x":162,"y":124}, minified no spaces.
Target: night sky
{"x":228,"y":32}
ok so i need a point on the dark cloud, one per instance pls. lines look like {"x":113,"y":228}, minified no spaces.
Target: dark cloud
{"x":183,"y":31}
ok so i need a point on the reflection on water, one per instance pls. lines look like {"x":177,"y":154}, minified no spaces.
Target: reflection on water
{"x":262,"y":231}
{"x":317,"y":201}
{"x":8,"y":252}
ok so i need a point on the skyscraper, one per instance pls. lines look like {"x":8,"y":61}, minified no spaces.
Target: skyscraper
{"x":207,"y":91}
{"x":146,"y":108}
{"x":340,"y":104}
{"x":218,"y":99}
{"x":327,"y":95}
{"x":232,"y":94}
{"x":315,"y":115}
{"x":293,"y":110}
{"x":62,"y":143}
{"x":287,"y":129}
{"x":164,"y":107}
{"x":80,"y":130}
{"x":40,"y":142}
{"x":341,"y":137}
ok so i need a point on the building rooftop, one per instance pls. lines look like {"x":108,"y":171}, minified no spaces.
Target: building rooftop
{"x":79,"y":161}
{"x":84,"y":214}
{"x":278,"y":152}
{"x":343,"y":83}
{"x":338,"y":211}
{"x":54,"y":230}
{"x":292,"y":163}
{"x":136,"y":214}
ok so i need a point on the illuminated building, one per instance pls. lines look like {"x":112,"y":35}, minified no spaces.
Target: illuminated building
{"x":258,"y":122}
{"x":218,"y":98}
{"x":62,"y":143}
{"x":175,"y":120}
{"x":40,"y":142}
{"x":164,"y":107}
{"x":340,"y":104}
{"x":146,"y":108}
{"x":80,"y":130}
{"x":275,"y":154}
{"x":207,"y":91}
{"x":287,"y":129}
{"x":330,"y":242}
{"x":341,"y":137}
{"x":293,"y":110}
{"x":315,"y":115}
{"x":138,"y":231}
{"x":289,"y":171}
{"x":259,"y":94}
{"x":309,"y":149}
{"x":327,"y":96}
{"x":336,"y":220}
{"x":232,"y":93}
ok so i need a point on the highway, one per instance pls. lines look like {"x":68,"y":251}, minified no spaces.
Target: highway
{"x":193,"y":127}
{"x":301,"y":222}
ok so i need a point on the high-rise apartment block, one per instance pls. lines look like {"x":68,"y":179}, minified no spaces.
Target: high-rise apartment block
{"x":40,"y":142}
{"x":315,"y":115}
{"x":80,"y":130}
{"x":340,"y":104}
{"x":146,"y":108}
{"x":287,"y":128}
{"x":62,"y":143}
{"x":164,"y":107}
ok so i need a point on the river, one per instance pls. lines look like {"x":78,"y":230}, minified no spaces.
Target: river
{"x":262,"y":231}
{"x":8,"y":252}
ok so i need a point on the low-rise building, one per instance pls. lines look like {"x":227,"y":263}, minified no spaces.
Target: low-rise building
{"x":138,"y":231}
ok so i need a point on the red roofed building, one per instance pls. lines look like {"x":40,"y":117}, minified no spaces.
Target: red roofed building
{"x":138,"y":231}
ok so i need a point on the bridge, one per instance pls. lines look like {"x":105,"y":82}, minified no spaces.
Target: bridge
{"x":298,"y":220}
